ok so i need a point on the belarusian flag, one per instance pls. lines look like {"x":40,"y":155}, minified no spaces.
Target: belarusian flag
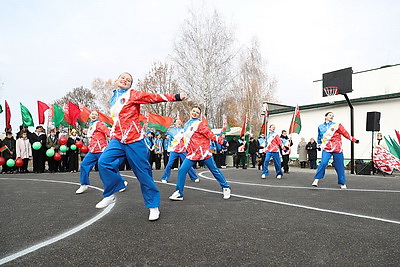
{"x":161,"y":123}
{"x":225,"y":125}
{"x":26,"y":116}
{"x":3,"y":148}
{"x":265,"y":123}
{"x":295,"y":125}
{"x":106,"y":119}
{"x":246,"y":126}
{"x":42,"y":107}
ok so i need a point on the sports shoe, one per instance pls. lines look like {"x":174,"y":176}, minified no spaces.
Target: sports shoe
{"x":343,"y":186}
{"x":176,"y":196}
{"x":81,"y":189}
{"x":197,"y":180}
{"x":175,"y":169}
{"x":315,"y":183}
{"x":164,"y":181}
{"x":123,"y":189}
{"x":154,"y":214}
{"x":263,"y":176}
{"x":105,"y":202}
{"x":227,"y":193}
{"x":279,"y":176}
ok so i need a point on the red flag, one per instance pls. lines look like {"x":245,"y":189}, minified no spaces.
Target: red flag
{"x":8,"y":116}
{"x":246,"y":126}
{"x":73,"y":113}
{"x":106,"y":119}
{"x":224,"y":123}
{"x":265,"y":123}
{"x":159,"y":122}
{"x":84,"y":115}
{"x":42,"y":107}
{"x":398,"y":135}
{"x":295,"y":125}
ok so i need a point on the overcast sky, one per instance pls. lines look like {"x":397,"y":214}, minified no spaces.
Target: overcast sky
{"x":47,"y":48}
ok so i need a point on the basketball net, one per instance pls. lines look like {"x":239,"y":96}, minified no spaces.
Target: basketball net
{"x":331,"y":91}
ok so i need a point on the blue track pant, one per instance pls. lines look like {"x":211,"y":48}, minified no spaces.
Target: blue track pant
{"x":86,"y":166}
{"x":136,"y":154}
{"x":210,"y":163}
{"x":338,"y":162}
{"x":172,"y":157}
{"x":277,"y":162}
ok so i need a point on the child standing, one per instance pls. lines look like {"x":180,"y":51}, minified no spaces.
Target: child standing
{"x":24,"y":151}
{"x":52,"y":142}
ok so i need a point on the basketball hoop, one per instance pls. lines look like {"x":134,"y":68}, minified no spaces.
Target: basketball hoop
{"x":331,"y":91}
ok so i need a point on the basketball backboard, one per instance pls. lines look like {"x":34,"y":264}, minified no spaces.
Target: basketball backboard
{"x":337,"y":82}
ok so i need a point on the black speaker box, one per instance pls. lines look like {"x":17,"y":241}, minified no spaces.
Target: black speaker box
{"x":363,"y":168}
{"x":373,"y":121}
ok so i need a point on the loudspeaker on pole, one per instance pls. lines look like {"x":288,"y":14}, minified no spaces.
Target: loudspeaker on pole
{"x":373,"y":121}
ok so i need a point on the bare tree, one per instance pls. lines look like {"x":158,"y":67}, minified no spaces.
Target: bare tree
{"x":160,"y":80}
{"x":253,"y":85}
{"x":203,"y":58}
{"x":104,"y":91}
{"x":79,"y":96}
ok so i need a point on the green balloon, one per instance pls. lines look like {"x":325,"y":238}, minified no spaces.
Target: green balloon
{"x":36,"y":145}
{"x":63,"y":148}
{"x":73,"y":147}
{"x":50,"y":152}
{"x":10,"y":163}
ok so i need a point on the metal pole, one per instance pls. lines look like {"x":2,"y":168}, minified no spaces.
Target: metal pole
{"x":351,"y":132}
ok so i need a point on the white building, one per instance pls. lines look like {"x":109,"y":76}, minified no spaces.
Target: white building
{"x":373,"y":90}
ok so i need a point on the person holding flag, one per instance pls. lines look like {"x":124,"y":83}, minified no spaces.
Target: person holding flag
{"x":7,"y":149}
{"x":127,"y":142}
{"x":197,"y":138}
{"x":330,"y":140}
{"x":273,"y":144}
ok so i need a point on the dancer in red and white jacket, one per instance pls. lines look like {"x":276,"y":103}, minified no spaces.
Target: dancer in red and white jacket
{"x":98,"y":134}
{"x":127,"y":141}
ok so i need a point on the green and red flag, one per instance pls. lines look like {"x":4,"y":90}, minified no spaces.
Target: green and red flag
{"x":8,"y":116}
{"x":394,"y":150}
{"x":246,"y":126}
{"x":106,"y":119}
{"x":26,"y":116}
{"x":158,"y":122}
{"x":264,"y":125}
{"x":3,"y":148}
{"x":42,"y":107}
{"x":295,"y":125}
{"x":398,"y":135}
{"x":225,"y":124}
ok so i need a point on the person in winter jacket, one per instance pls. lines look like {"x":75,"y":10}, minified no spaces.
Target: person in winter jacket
{"x":330,"y":139}
{"x":312,"y":153}
{"x":23,"y":151}
{"x":9,"y":153}
{"x":253,"y":151}
{"x":52,"y":142}
{"x":39,"y":156}
{"x":302,"y":151}
{"x":197,"y":138}
{"x":73,"y":153}
{"x":127,"y":141}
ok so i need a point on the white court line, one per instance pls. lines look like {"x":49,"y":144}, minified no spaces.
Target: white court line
{"x":58,"y":237}
{"x":304,"y":187}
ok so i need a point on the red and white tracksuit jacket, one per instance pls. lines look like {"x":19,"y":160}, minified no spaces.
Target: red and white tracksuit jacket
{"x":125,"y":113}
{"x":97,"y":134}
{"x":329,"y":136}
{"x":273,"y":142}
{"x":197,"y":138}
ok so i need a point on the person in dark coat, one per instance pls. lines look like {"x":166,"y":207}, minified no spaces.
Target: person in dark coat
{"x":232,"y":149}
{"x":73,"y":154}
{"x":253,"y":151}
{"x":9,"y":153}
{"x":311,"y":148}
{"x":39,"y":156}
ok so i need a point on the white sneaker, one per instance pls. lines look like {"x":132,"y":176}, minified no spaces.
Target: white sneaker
{"x":227,"y":193}
{"x":82,"y":189}
{"x":176,"y":196}
{"x":123,"y":189}
{"x":279,"y":176}
{"x":105,"y":202}
{"x":315,"y":183}
{"x":154,"y":214}
{"x":343,"y":186}
{"x":223,"y":167}
{"x":263,"y":176}
{"x":175,"y":169}
{"x":197,"y":180}
{"x":164,"y":181}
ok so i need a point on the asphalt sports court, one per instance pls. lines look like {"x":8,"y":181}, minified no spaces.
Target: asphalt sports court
{"x":266,"y":222}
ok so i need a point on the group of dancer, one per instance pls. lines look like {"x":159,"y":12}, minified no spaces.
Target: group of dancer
{"x":191,"y":143}
{"x":127,"y":142}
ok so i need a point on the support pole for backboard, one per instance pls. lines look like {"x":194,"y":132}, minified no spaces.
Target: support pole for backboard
{"x":351,"y":132}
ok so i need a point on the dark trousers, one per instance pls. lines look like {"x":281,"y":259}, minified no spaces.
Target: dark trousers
{"x":285,"y":163}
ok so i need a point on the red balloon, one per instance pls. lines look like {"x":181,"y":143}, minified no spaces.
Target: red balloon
{"x":63,"y":140}
{"x":84,"y":149}
{"x":79,"y":144}
{"x":57,"y":156}
{"x":2,"y":161}
{"x":19,"y":162}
